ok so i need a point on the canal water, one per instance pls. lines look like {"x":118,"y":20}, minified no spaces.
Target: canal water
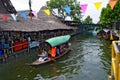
{"x":89,"y":59}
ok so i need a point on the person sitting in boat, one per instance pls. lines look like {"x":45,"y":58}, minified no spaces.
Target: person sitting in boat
{"x":53,"y":52}
{"x":43,"y":56}
{"x":58,"y":51}
{"x":63,"y":48}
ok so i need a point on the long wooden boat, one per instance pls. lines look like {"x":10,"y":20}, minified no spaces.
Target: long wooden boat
{"x":106,"y":34}
{"x":37,"y":62}
{"x":96,"y":30}
{"x":53,"y":42}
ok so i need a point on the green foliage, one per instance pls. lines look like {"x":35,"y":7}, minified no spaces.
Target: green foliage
{"x":88,"y":20}
{"x":109,"y":15}
{"x":75,"y":13}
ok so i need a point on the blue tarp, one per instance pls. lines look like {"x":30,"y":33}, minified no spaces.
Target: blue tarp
{"x":1,"y":52}
{"x":34,"y":44}
{"x":4,"y":46}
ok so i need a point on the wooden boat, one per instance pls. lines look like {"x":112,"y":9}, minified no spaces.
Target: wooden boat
{"x":37,"y":62}
{"x":99,"y":34}
{"x":61,"y":41}
{"x":96,"y":30}
{"x":106,"y":34}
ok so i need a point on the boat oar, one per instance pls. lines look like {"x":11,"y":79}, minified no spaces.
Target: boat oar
{"x":53,"y":59}
{"x":27,"y":64}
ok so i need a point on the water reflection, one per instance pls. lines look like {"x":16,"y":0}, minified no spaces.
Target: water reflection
{"x":54,"y":70}
{"x":106,"y":55}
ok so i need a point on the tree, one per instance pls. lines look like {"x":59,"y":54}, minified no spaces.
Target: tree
{"x":88,"y":20}
{"x":109,"y":15}
{"x":75,"y":12}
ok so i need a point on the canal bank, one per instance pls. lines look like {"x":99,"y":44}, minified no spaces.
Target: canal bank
{"x":89,"y":59}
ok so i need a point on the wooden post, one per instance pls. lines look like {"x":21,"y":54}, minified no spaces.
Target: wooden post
{"x":28,"y":49}
{"x":29,"y":46}
{"x":5,"y":55}
{"x":12,"y":47}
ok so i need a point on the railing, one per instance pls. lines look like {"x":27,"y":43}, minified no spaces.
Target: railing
{"x":17,"y":47}
{"x":115,"y":61}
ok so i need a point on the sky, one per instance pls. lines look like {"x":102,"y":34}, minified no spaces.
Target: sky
{"x":21,"y":5}
{"x":91,"y":10}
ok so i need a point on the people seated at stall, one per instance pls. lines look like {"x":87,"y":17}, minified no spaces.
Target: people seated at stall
{"x":43,"y":56}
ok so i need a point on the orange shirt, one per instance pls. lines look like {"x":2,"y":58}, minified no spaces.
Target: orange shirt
{"x":53,"y":51}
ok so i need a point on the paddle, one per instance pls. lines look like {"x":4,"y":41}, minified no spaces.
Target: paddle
{"x":27,"y":64}
{"x":52,"y":59}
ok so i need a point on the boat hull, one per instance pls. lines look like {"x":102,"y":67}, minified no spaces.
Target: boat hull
{"x":37,"y":62}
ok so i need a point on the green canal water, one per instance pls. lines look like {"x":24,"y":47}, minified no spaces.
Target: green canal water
{"x":89,"y":59}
